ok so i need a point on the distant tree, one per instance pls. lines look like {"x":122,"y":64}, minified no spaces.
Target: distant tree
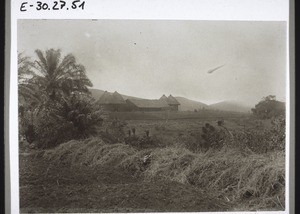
{"x":269,"y":107}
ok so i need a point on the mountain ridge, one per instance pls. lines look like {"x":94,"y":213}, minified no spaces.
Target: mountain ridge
{"x":230,"y":105}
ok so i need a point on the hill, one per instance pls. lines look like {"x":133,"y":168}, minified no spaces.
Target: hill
{"x":189,"y":105}
{"x":230,"y":106}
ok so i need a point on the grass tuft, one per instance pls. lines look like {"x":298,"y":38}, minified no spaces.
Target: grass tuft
{"x":91,"y":152}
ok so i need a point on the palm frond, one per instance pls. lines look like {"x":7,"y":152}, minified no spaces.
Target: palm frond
{"x":52,"y":58}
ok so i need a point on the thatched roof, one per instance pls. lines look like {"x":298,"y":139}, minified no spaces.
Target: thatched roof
{"x":108,"y":98}
{"x":172,"y":100}
{"x":118,"y":98}
{"x":148,"y":103}
{"x":164,"y":98}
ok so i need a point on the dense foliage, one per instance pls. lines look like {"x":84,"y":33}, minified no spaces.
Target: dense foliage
{"x":269,"y":107}
{"x":54,"y":101}
{"x":74,"y":118}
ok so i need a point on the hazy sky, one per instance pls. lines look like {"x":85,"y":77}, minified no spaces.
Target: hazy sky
{"x":150,"y":58}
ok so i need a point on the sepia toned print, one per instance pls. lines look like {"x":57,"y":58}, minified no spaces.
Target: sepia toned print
{"x":151,"y":116}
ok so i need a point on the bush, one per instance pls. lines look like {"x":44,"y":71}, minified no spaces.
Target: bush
{"x":269,"y":107}
{"x":51,"y":131}
{"x":212,"y":137}
{"x":262,"y":141}
{"x":249,"y":140}
{"x":77,"y":117}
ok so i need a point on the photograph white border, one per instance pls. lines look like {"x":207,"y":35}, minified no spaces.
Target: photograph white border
{"x":246,"y":10}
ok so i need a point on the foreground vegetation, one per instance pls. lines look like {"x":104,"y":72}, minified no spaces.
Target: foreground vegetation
{"x":74,"y":157}
{"x":229,"y":176}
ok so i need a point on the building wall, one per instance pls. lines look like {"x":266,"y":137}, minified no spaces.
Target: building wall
{"x":130,"y":106}
{"x":114,"y":107}
{"x":150,"y":109}
{"x":173,"y":107}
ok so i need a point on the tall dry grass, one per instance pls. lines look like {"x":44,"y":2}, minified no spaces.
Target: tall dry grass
{"x":90,"y":152}
{"x":255,"y":180}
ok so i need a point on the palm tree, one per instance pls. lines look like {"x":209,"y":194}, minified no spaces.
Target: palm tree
{"x":57,"y":76}
{"x":27,"y":96}
{"x":44,"y":83}
{"x":25,"y":72}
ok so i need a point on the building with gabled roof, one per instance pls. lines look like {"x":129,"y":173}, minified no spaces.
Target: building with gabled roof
{"x":164,"y":98}
{"x":117,"y":98}
{"x":147,"y":105}
{"x":115,"y":102}
{"x":112,"y":102}
{"x":106,"y":98}
{"x":173,"y":103}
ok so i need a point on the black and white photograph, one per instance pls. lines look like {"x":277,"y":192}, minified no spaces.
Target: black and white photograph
{"x":151,"y":115}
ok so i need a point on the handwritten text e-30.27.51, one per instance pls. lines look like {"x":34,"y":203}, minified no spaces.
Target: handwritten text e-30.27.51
{"x":55,"y":5}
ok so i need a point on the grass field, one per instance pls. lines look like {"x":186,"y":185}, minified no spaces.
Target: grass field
{"x":176,"y":115}
{"x":170,"y":169}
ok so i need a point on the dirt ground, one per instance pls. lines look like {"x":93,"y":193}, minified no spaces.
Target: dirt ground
{"x":48,"y":188}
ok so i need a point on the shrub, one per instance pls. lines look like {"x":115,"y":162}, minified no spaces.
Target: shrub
{"x":51,"y":131}
{"x":112,"y":131}
{"x":212,"y":137}
{"x":269,"y":107}
{"x":248,"y":140}
{"x":262,"y":141}
{"x":77,"y":117}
